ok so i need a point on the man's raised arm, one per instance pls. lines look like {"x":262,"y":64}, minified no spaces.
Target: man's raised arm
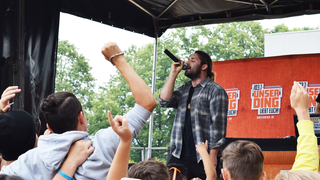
{"x":140,"y":91}
{"x":167,"y":90}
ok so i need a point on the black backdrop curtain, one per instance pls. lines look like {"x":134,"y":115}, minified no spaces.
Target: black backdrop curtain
{"x":29,"y":39}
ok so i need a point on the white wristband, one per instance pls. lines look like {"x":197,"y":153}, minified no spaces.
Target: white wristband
{"x":115,"y":55}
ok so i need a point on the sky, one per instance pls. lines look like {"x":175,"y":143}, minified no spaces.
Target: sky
{"x":90,"y":36}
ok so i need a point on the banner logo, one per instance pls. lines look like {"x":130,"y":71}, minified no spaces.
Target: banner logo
{"x":313,"y":91}
{"x":233,"y":95}
{"x":266,"y":99}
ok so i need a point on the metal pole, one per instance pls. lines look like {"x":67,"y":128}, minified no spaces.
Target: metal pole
{"x":143,"y":9}
{"x":167,"y":8}
{"x":153,"y":91}
{"x":142,"y":154}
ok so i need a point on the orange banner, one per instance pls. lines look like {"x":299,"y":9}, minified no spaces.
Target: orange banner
{"x":263,"y":110}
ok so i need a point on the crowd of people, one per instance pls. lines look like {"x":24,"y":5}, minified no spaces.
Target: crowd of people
{"x":65,"y":152}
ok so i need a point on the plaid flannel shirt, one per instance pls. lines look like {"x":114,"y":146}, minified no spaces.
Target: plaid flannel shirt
{"x":209,"y":106}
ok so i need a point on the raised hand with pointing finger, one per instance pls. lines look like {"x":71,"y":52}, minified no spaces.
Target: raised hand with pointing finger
{"x":120,"y":162}
{"x":120,"y":125}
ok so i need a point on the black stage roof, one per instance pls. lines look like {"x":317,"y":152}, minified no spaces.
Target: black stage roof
{"x":150,"y":16}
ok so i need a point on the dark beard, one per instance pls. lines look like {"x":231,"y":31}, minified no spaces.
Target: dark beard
{"x":193,"y":73}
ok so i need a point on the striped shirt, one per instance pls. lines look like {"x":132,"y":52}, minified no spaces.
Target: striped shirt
{"x":209,"y":106}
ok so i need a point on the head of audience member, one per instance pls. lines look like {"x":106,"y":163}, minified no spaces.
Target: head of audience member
{"x":182,"y":175}
{"x":242,"y":160}
{"x":63,"y":112}
{"x":149,"y":170}
{"x":17,"y":135}
{"x":298,"y":175}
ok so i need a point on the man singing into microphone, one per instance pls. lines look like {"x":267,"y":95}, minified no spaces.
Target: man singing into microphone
{"x":201,"y":115}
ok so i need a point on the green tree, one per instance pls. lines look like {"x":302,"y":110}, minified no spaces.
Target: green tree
{"x":227,"y":41}
{"x":224,"y":41}
{"x":283,"y":28}
{"x":73,"y":74}
{"x":279,"y":28}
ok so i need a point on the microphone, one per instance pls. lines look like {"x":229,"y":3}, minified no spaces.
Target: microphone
{"x":175,"y":59}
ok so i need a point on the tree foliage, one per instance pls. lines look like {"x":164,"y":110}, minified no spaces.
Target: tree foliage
{"x":73,"y":74}
{"x":224,"y":41}
{"x":283,"y":28}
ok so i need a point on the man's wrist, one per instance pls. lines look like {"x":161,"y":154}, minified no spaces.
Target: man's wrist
{"x":202,"y":151}
{"x":69,"y":167}
{"x":126,"y":141}
{"x":214,"y":152}
{"x":173,"y":75}
{"x":113,"y":57}
{"x":303,"y":115}
{"x":118,"y":60}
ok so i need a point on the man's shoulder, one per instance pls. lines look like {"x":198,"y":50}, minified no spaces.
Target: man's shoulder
{"x":214,"y":85}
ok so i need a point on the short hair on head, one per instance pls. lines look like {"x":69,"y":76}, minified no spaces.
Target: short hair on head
{"x":243,"y":160}
{"x":298,"y":175}
{"x":206,"y":59}
{"x":61,"y":111}
{"x":149,"y":170}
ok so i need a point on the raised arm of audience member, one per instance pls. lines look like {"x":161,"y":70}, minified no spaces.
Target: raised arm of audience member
{"x":307,"y":157}
{"x":78,"y":153}
{"x":7,"y":94}
{"x":317,"y":110}
{"x":209,"y":168}
{"x":141,"y":92}
{"x":120,"y":162}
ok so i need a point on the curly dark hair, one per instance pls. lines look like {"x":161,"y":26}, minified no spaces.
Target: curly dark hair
{"x":61,"y":111}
